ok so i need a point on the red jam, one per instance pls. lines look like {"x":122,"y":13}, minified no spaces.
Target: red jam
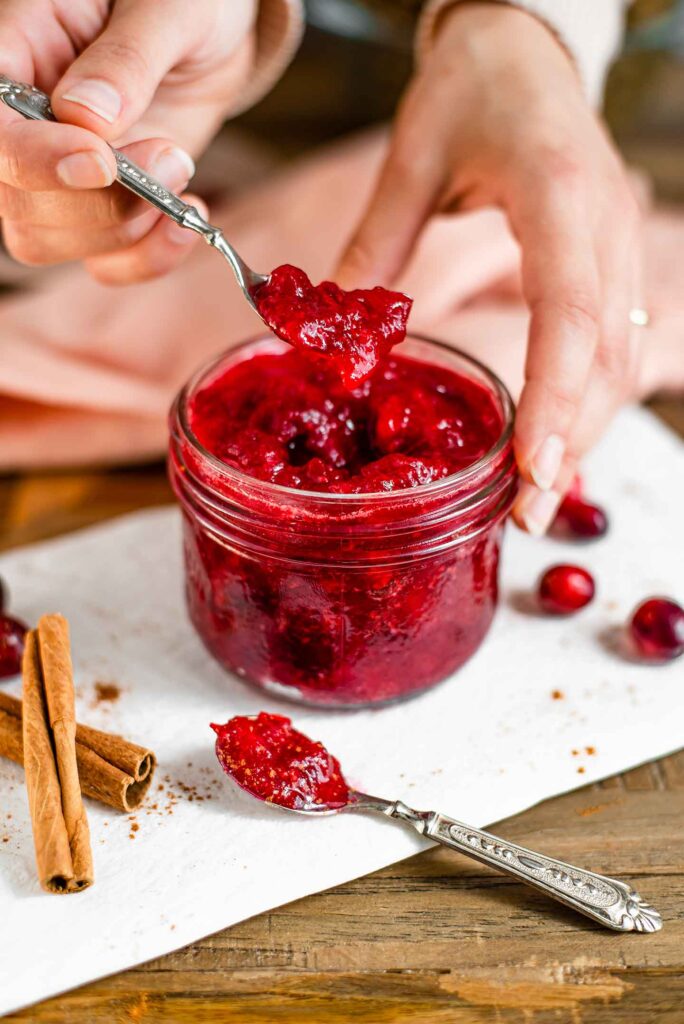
{"x":372,"y":574}
{"x":282,"y":419}
{"x":350,"y":331}
{"x":564,"y":589}
{"x":274,"y":762}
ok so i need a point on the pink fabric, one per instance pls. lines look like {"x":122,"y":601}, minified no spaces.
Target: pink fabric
{"x":87,"y":372}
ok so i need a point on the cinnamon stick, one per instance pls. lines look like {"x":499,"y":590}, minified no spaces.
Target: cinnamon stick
{"x":110,"y":769}
{"x":54,"y":854}
{"x":58,"y":680}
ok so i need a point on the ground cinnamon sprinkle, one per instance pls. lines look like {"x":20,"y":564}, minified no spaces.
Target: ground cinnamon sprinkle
{"x":174,"y":790}
{"x":581,"y":770}
{"x":106,"y":693}
{"x":557,"y":695}
{"x":584,"y":812}
{"x":590,"y":750}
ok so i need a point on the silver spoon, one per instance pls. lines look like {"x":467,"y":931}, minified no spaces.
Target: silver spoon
{"x":33,"y":104}
{"x":612,"y":903}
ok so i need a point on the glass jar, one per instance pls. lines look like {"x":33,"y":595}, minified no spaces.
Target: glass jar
{"x":342,"y":600}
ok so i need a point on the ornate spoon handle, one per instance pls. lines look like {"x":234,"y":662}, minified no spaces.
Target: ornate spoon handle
{"x":35,"y":105}
{"x":608,"y":901}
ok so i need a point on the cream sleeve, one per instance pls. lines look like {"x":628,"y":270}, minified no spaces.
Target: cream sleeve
{"x":591,"y":31}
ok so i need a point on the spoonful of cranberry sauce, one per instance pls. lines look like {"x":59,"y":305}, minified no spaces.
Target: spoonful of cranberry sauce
{"x":272,"y":761}
{"x":267,"y":757}
{"x":351,"y":330}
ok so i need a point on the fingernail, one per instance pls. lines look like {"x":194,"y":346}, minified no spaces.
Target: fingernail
{"x":546,"y":463}
{"x":98,"y":97}
{"x":537,"y":511}
{"x":84,"y":170}
{"x":173,"y":168}
{"x":184,"y":236}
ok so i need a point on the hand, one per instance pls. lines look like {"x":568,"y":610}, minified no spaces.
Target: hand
{"x":497,"y":117}
{"x":152,"y":79}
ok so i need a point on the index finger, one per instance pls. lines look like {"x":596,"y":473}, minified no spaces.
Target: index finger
{"x":561,"y":287}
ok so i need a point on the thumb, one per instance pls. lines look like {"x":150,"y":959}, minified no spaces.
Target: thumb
{"x":405,"y":195}
{"x":110,"y":86}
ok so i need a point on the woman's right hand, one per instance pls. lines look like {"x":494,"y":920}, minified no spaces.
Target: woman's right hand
{"x":154,"y":80}
{"x":496,"y":117}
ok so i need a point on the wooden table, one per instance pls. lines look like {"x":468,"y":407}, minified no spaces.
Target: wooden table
{"x":433,"y":939}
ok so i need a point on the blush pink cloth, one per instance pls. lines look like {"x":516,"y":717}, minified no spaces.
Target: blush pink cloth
{"x":87,"y":372}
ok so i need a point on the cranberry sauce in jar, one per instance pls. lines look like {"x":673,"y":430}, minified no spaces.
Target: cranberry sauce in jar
{"x":342,"y":546}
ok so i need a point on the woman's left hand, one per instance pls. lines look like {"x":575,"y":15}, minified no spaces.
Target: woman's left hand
{"x":497,"y":117}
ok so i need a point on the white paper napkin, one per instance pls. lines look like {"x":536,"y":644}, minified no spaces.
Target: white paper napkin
{"x":482,"y":746}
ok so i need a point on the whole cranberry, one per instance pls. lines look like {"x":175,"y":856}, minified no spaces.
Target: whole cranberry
{"x":564,"y":589}
{"x":12,"y":633}
{"x":657,"y":628}
{"x":581,"y":519}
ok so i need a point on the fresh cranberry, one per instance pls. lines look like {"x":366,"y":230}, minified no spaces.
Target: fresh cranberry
{"x":581,"y":519}
{"x":276,"y":763}
{"x":12,"y":633}
{"x":352,"y":330}
{"x":564,"y":589}
{"x":657,"y":628}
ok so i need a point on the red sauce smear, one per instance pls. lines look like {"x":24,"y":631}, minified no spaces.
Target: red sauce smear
{"x":274,"y":762}
{"x":284,"y":419}
{"x":351,"y":330}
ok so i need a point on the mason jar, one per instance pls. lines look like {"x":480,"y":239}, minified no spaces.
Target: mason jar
{"x":342,"y":600}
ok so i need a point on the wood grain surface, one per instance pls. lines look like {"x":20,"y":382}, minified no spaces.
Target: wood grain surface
{"x":435,"y":939}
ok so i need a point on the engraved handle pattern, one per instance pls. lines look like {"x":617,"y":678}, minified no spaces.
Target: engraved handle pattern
{"x":607,"y":900}
{"x":147,"y":187}
{"x":35,"y":105}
